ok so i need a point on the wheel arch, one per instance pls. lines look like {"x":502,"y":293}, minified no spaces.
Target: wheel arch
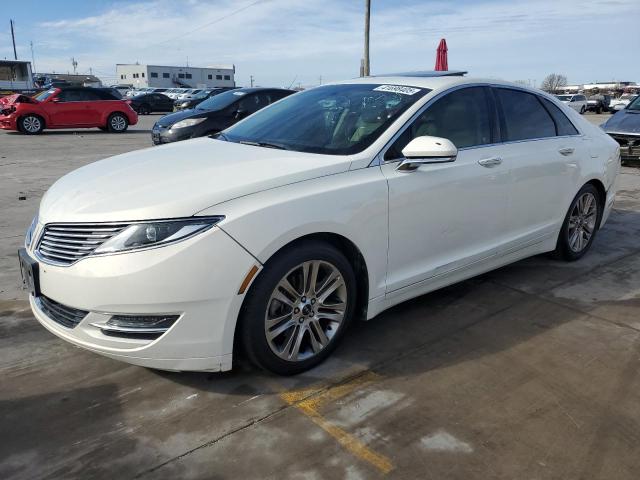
{"x":353,"y":255}
{"x":599,"y":186}
{"x":42,"y":117}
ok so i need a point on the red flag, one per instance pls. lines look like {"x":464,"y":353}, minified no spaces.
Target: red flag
{"x":441,"y":56}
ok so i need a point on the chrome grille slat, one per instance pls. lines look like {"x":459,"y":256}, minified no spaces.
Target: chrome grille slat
{"x":61,"y":244}
{"x":64,"y":244}
{"x":79,"y":235}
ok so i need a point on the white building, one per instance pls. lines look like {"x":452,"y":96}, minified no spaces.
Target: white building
{"x":15,"y":75}
{"x":159,"y":76}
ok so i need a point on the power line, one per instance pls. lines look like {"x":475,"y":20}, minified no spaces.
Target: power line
{"x":217,"y":20}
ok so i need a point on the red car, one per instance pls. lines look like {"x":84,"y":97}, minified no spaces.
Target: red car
{"x":66,"y":108}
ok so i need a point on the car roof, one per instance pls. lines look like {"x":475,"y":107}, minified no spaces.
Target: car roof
{"x":430,"y":82}
{"x":260,"y":89}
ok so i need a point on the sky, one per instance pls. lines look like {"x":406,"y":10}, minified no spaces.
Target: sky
{"x":305,"y":42}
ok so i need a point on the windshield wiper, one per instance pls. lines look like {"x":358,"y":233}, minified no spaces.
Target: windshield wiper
{"x":263,"y":144}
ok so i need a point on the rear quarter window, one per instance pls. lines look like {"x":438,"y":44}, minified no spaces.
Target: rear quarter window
{"x":563,"y":124}
{"x":524,"y":116}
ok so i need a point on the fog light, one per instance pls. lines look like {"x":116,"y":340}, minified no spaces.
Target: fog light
{"x":145,"y":322}
{"x":137,"y":326}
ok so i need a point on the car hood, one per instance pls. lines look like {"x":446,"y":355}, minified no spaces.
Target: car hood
{"x":625,"y":121}
{"x":177,"y":180}
{"x":17,"y":98}
{"x":175,"y":117}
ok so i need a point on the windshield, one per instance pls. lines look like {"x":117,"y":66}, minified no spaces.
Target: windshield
{"x":635,"y":104}
{"x":564,"y":98}
{"x":42,"y":96}
{"x":218,"y":102}
{"x":334,"y":119}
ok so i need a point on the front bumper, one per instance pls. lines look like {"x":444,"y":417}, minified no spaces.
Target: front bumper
{"x":8,"y":122}
{"x":197,"y":279}
{"x":160,"y":135}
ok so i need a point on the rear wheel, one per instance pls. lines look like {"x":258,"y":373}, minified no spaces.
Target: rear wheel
{"x":580,"y":225}
{"x":117,"y":123}
{"x":298,"y":309}
{"x":31,"y":124}
{"x":582,"y":110}
{"x":144,"y":109}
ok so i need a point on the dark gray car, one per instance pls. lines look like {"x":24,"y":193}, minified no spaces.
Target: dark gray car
{"x":624,"y":128}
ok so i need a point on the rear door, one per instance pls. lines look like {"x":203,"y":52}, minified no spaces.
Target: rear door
{"x":542,"y":148}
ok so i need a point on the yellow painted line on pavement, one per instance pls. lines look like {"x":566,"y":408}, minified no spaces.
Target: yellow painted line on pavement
{"x":310,"y":400}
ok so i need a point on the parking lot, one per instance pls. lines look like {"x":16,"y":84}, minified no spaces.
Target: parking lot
{"x":531,"y":371}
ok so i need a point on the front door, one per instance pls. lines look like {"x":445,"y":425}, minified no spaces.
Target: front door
{"x":445,"y":217}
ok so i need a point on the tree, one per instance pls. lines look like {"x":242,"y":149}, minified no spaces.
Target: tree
{"x":554,"y":82}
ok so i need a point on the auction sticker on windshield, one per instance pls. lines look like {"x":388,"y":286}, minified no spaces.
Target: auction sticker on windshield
{"x":397,"y":89}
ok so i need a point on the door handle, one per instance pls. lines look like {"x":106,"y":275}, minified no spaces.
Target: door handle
{"x":566,"y":151}
{"x":490,"y":162}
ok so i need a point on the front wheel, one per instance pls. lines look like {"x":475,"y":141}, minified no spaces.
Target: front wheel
{"x":31,"y":124}
{"x":582,"y":110}
{"x":580,"y":225}
{"x":117,"y":123}
{"x":298,"y":309}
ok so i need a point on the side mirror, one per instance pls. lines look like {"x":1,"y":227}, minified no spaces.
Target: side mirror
{"x":427,"y":150}
{"x":55,"y":100}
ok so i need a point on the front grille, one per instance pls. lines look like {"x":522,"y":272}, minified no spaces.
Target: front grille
{"x":629,"y":147}
{"x":66,"y":316}
{"x":66,"y":243}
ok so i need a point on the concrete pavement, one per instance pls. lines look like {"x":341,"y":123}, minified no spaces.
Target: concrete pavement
{"x":530,"y":371}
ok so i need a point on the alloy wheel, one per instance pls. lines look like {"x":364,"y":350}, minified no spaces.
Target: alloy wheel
{"x":31,"y":124}
{"x":305,"y":310}
{"x":118,"y":123}
{"x":582,"y":222}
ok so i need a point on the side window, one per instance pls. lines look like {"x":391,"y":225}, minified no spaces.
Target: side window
{"x":563,"y":124}
{"x":463,"y":116}
{"x":253,"y":103}
{"x":89,"y":96}
{"x":524,"y":116}
{"x":70,"y":96}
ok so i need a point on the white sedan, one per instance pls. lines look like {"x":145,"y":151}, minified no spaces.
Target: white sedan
{"x":577,"y":102}
{"x":333,"y":204}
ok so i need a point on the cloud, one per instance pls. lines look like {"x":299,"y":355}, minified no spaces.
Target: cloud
{"x":275,"y":40}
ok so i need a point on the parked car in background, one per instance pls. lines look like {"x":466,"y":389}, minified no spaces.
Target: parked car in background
{"x":174,"y":93}
{"x":621,"y":102}
{"x":199,"y":98}
{"x":578,"y":102}
{"x":214,"y":114}
{"x":598,"y":103}
{"x":337,"y":202}
{"x":123,"y":89}
{"x":624,"y":128}
{"x":75,"y":107}
{"x":189,"y":93}
{"x":150,"y":103}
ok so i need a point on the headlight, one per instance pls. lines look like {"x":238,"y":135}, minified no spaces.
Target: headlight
{"x":189,"y":122}
{"x":32,"y":228}
{"x":155,"y":234}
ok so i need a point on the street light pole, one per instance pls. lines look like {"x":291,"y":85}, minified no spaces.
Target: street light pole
{"x":367,"y":18}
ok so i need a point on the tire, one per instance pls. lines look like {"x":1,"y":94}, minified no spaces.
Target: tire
{"x":599,"y":110}
{"x":582,"y":110}
{"x":31,"y":124}
{"x":301,"y":313}
{"x":580,"y":224}
{"x":117,"y":123}
{"x":144,"y":109}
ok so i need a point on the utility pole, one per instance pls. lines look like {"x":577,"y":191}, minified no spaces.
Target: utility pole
{"x":75,"y":64}
{"x":33,"y":58}
{"x":13,"y":39}
{"x":251,"y":79}
{"x":320,"y":79}
{"x":367,"y":21}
